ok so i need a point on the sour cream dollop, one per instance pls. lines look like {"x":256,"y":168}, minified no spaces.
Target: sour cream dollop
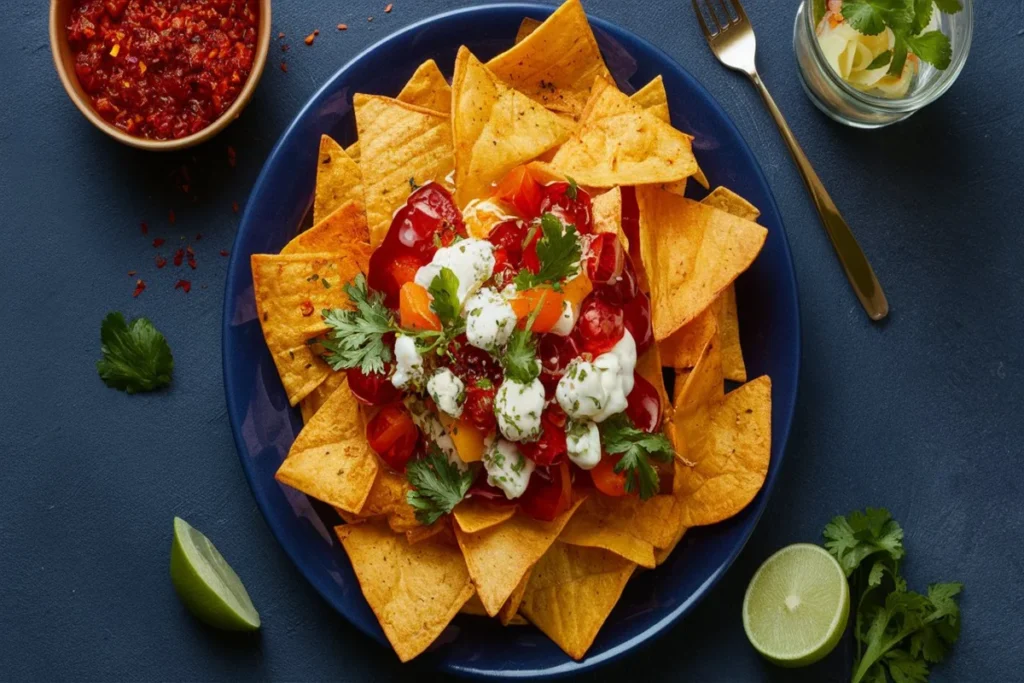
{"x":471,"y":260}
{"x":597,"y":390}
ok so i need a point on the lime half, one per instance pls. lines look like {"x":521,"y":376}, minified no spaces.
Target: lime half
{"x":796,"y":606}
{"x":207,"y":585}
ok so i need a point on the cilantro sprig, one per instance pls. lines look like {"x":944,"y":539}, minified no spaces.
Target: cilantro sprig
{"x":438,"y":485}
{"x":356,"y":338}
{"x":520,"y":358}
{"x":559,"y":254}
{"x":898,"y":632}
{"x":907,"y":19}
{"x":444,"y":289}
{"x":619,"y":435}
{"x":136,"y":356}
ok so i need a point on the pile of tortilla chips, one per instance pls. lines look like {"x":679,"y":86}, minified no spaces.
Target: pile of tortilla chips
{"x":549,"y":101}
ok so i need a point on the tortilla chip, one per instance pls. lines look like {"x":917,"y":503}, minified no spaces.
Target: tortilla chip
{"x":398,"y":142}
{"x":682,"y":348}
{"x":620,"y":143}
{"x":414,"y":590}
{"x":704,"y":386}
{"x":663,"y":554}
{"x":338,"y":180}
{"x":724,"y":306}
{"x":343,"y":230}
{"x":331,"y":459}
{"x":474,"y":606}
{"x":510,"y":609}
{"x":731,"y":462}
{"x":388,"y":499}
{"x":318,"y":397}
{"x":571,"y":593}
{"x":290,"y":295}
{"x":725,"y":199}
{"x":607,"y":213}
{"x":528,"y":26}
{"x":691,"y":253}
{"x":474,"y":515}
{"x":556,"y":63}
{"x":495,"y":128}
{"x":654,"y":99}
{"x":499,"y":557}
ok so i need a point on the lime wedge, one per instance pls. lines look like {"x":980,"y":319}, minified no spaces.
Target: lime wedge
{"x":796,"y":606}
{"x":207,"y":585}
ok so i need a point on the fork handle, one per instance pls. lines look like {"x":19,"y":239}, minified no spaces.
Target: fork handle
{"x":851,"y":256}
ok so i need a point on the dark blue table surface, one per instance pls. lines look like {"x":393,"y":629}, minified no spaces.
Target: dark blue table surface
{"x":921,"y":414}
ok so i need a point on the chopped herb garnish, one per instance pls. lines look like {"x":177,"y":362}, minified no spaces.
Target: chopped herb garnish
{"x":619,"y":435}
{"x":438,"y":485}
{"x":136,"y":357}
{"x":558,"y":252}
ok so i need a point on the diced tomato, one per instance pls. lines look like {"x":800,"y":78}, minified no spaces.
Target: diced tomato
{"x":638,"y":322}
{"x":520,"y":189}
{"x":604,"y":259}
{"x":429,"y":213}
{"x":372,"y":388}
{"x":470,"y":363}
{"x":550,"y":448}
{"x":644,"y":405}
{"x":555,"y":353}
{"x":393,"y":435}
{"x":549,"y":493}
{"x":601,"y":325}
{"x":577,"y":211}
{"x":546,"y":302}
{"x":606,"y":479}
{"x":414,"y":308}
{"x":479,"y":406}
{"x":622,"y":289}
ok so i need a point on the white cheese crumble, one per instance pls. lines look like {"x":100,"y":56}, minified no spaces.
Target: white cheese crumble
{"x":448,"y":392}
{"x":518,"y":408}
{"x":408,"y":362}
{"x":596,"y":391}
{"x":471,"y":260}
{"x":490,"y":320}
{"x":507,"y":468}
{"x":567,"y":321}
{"x":583,"y":444}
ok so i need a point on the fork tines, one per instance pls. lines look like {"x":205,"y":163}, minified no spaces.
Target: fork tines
{"x":722,"y":13}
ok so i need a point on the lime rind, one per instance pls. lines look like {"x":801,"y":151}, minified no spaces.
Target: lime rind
{"x":207,"y":584}
{"x":801,"y":577}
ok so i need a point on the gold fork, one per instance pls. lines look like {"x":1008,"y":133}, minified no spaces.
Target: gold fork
{"x":733,"y":43}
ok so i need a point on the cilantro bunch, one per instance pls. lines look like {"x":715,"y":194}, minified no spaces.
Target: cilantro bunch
{"x":907,"y":19}
{"x":899,"y":633}
{"x":620,"y":435}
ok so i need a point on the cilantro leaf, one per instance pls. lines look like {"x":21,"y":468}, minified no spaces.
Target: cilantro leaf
{"x":558,"y":252}
{"x":881,"y":60}
{"x":356,"y":338}
{"x":619,"y":435}
{"x":438,"y":485}
{"x":871,"y":17}
{"x":136,"y":357}
{"x":922,"y":15}
{"x":852,"y":539}
{"x":949,"y":6}
{"x":899,"y":55}
{"x":444,"y":288}
{"x":520,"y":358}
{"x":573,"y":191}
{"x":932,"y":47}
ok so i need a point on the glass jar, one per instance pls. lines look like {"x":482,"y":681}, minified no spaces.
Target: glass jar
{"x":846,"y":104}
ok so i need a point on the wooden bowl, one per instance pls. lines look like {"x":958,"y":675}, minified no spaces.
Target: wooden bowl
{"x":64,"y":60}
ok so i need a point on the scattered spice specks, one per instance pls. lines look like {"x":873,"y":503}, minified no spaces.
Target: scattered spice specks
{"x":144,"y":228}
{"x":140,"y":286}
{"x":369,"y":18}
{"x":388,"y":8}
{"x":184,"y":285}
{"x":280,"y":36}
{"x":158,"y":242}
{"x":234,"y":207}
{"x":311,"y":37}
{"x":284,"y":67}
{"x":224,"y":252}
{"x":131,"y":273}
{"x":285,"y":47}
{"x":161,"y":262}
{"x":342,"y":27}
{"x":179,"y":256}
{"x":232,"y":156}
{"x":170,"y":216}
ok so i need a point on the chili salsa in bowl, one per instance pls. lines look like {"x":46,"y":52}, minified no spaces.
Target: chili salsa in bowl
{"x":475,"y":330}
{"x":160,"y":74}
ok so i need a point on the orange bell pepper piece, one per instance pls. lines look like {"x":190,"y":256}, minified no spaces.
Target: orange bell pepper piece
{"x":414,"y":308}
{"x":547,"y":300}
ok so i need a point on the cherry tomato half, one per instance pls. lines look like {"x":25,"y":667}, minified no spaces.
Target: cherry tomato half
{"x":478,"y":409}
{"x":372,"y":388}
{"x":393,"y":435}
{"x":549,"y":493}
{"x":550,"y":448}
{"x":638,"y":322}
{"x":555,"y":353}
{"x":606,"y":479}
{"x":644,"y":405}
{"x":622,"y":289}
{"x":558,"y":200}
{"x":601,"y":325}
{"x":604,"y":259}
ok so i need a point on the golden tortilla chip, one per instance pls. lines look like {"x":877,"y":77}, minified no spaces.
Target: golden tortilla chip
{"x":724,"y":307}
{"x":682,"y":348}
{"x":704,"y":386}
{"x":495,"y":128}
{"x":731,"y":462}
{"x":343,"y":230}
{"x":474,"y":606}
{"x":331,"y":459}
{"x":528,"y":26}
{"x":662,"y":554}
{"x":318,"y":397}
{"x":571,"y":593}
{"x":607,"y":215}
{"x":474,"y":515}
{"x":398,"y":142}
{"x":414,"y":590}
{"x":499,"y":557}
{"x":556,"y":63}
{"x":388,"y":499}
{"x":422,"y":533}
{"x":725,"y":199}
{"x":620,"y":143}
{"x":510,"y":609}
{"x":338,"y":180}
{"x":654,"y":99}
{"x":691,"y":253}
{"x":290,"y":295}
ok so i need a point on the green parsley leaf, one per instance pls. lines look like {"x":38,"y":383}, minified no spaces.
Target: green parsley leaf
{"x":932,"y":47}
{"x":871,"y":17}
{"x":438,"y":485}
{"x":881,"y":60}
{"x":574,"y":190}
{"x":558,"y":252}
{"x":899,"y":55}
{"x":356,"y":338}
{"x":854,"y":538}
{"x":922,"y":15}
{"x":520,"y":358}
{"x":483,"y":383}
{"x":619,"y":435}
{"x":412,"y":184}
{"x":444,"y":288}
{"x":949,"y":6}
{"x":136,"y":357}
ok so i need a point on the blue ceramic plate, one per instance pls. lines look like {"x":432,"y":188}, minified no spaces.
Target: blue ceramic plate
{"x":265,"y":426}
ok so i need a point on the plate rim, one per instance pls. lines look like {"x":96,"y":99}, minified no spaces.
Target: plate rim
{"x":651,"y":633}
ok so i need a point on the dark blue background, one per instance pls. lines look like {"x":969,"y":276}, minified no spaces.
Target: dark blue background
{"x":921,"y":414}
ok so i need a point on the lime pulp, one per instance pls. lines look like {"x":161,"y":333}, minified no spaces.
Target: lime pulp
{"x":797,"y":605}
{"x":208,"y":586}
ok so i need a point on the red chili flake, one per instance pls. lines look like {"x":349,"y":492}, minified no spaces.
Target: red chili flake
{"x":184,"y":285}
{"x":144,"y":228}
{"x":158,"y":242}
{"x":369,"y":18}
{"x":141,"y":285}
{"x":179,"y":256}
{"x":387,"y":9}
{"x":342,"y":27}
{"x":223,"y":252}
{"x":284,"y":67}
{"x":280,"y":35}
{"x":234,"y":206}
{"x":311,"y":37}
{"x":191,"y":261}
{"x":306,"y":307}
{"x":161,"y":262}
{"x":170,"y":216}
{"x":131,"y":273}
{"x":190,"y":251}
{"x":232,"y":157}
{"x":285,"y":47}
{"x":199,"y":236}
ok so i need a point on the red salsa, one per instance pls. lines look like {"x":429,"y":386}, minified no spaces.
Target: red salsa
{"x":163,"y":69}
